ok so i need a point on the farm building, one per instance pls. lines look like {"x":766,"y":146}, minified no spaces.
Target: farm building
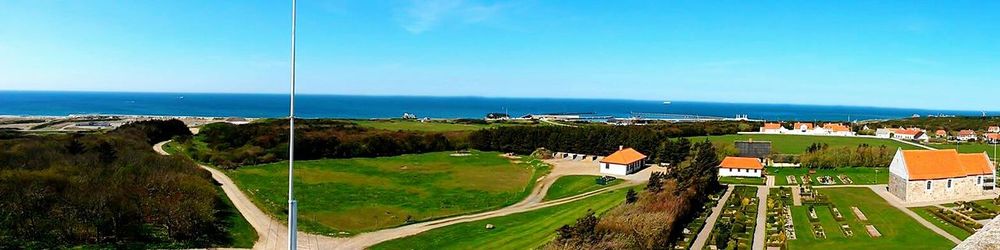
{"x":773,"y":128}
{"x":910,"y":135}
{"x":741,"y":167}
{"x":623,"y":162}
{"x":883,"y":133}
{"x":992,"y":138}
{"x":755,"y":149}
{"x":837,"y":129}
{"x":966,"y":135}
{"x":993,"y":129}
{"x":933,"y":175}
{"x":941,"y":133}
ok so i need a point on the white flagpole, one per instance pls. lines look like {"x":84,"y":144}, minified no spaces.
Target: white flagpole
{"x":292,"y":212}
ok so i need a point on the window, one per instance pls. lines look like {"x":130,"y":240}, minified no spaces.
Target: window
{"x":928,"y":185}
{"x":979,"y":180}
{"x":949,"y":183}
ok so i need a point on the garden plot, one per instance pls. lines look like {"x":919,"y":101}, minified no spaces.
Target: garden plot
{"x":780,"y":226}
{"x":856,"y":218}
{"x":735,"y":226}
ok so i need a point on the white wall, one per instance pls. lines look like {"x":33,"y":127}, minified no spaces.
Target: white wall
{"x":615,"y":169}
{"x":898,"y":166}
{"x":736,"y":172}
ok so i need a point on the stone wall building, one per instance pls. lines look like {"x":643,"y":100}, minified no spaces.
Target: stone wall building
{"x":933,"y":175}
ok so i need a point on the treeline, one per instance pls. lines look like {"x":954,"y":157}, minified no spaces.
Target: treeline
{"x":864,"y":155}
{"x":229,"y":146}
{"x":597,"y":140}
{"x":946,"y":123}
{"x":653,"y":219}
{"x":105,"y":189}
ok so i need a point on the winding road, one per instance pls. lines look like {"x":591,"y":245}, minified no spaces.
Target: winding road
{"x":272,"y":234}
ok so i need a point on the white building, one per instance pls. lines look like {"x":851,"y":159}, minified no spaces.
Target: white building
{"x":623,"y":162}
{"x":883,"y":133}
{"x":992,"y":138}
{"x":911,"y":135}
{"x":773,"y":128}
{"x":741,"y":167}
{"x":966,"y":135}
{"x":837,"y":129}
{"x":993,"y":129}
{"x":936,"y":175}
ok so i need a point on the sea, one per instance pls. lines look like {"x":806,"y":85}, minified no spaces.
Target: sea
{"x":52,"y":103}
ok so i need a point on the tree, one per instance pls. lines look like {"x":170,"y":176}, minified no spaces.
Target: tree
{"x":722,"y":236}
{"x":655,"y":184}
{"x":631,"y":196}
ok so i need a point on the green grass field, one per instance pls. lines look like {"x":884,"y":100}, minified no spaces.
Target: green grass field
{"x":860,"y":176}
{"x":898,"y":230}
{"x":433,"y":126}
{"x":944,"y":225}
{"x":528,"y":230}
{"x":364,"y":194}
{"x":968,"y":147}
{"x":571,"y":185}
{"x":741,"y":180}
{"x":797,"y":144}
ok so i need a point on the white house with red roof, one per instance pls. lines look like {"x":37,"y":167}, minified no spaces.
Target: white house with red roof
{"x":937,"y":175}
{"x":992,"y":138}
{"x":741,"y":167}
{"x":625,"y":161}
{"x":910,"y":135}
{"x":941,"y":133}
{"x":837,"y":129}
{"x":993,"y":129}
{"x":773,"y":128}
{"x":966,"y":135}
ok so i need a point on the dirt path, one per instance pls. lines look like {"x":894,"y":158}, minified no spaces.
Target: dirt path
{"x":272,"y":234}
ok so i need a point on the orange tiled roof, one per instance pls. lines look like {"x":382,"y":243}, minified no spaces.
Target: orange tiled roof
{"x":993,"y":136}
{"x":799,"y":125}
{"x":966,"y":132}
{"x":941,"y":164}
{"x":836,"y":127}
{"x":741,"y":163}
{"x":625,"y":156}
{"x":908,"y":132}
{"x":772,"y":125}
{"x":941,"y":132}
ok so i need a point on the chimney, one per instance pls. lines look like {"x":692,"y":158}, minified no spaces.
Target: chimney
{"x":620,"y":147}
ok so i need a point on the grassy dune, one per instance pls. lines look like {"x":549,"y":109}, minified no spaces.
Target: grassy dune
{"x":364,"y":194}
{"x":526,"y":230}
{"x":571,"y":185}
{"x":797,"y":144}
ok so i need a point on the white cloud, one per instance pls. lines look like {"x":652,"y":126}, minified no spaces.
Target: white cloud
{"x":422,"y":16}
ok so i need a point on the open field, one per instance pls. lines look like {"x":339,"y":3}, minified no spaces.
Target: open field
{"x":363,"y":194}
{"x":432,"y":126}
{"x":967,"y":147}
{"x":741,"y":180}
{"x":944,"y":225}
{"x":858,"y":175}
{"x":570,"y":185}
{"x":526,"y":230}
{"x":797,"y":144}
{"x":898,"y":230}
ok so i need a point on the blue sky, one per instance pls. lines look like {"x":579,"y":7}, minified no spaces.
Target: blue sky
{"x":919,"y":54}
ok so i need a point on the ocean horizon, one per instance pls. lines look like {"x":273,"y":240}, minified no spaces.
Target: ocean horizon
{"x":62,"y":103}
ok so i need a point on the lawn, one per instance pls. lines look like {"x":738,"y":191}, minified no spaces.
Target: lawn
{"x":898,"y":230}
{"x":797,"y":144}
{"x":967,"y":147}
{"x":412,"y":125}
{"x":571,"y":185}
{"x":741,"y":180}
{"x":944,"y":225}
{"x":859,"y":175}
{"x":364,"y":194}
{"x":527,"y":230}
